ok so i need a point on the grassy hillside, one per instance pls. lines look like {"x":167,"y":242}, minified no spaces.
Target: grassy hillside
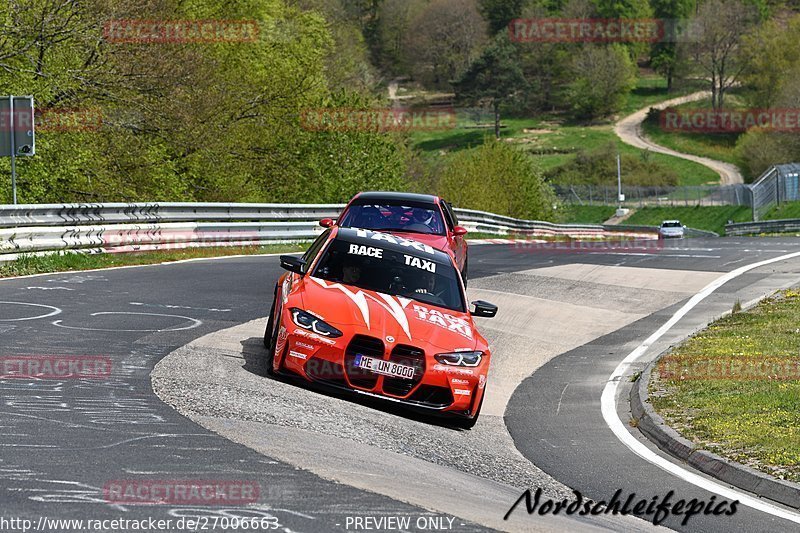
{"x":787,"y":210}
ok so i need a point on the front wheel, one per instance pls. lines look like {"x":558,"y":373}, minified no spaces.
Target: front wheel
{"x":469,"y":423}
{"x":271,"y":336}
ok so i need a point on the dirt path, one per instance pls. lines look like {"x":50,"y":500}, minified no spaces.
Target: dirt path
{"x":629,"y":129}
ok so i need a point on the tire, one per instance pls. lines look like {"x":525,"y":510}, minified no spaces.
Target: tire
{"x":271,"y":337}
{"x":469,"y":423}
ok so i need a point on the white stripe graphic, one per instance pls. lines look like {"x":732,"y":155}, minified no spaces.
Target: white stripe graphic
{"x":358,"y":297}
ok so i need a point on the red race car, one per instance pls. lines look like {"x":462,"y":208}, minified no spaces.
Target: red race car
{"x":422,"y":217}
{"x":383,"y":316}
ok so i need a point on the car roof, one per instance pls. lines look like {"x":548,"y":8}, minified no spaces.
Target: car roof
{"x":395,"y":197}
{"x":387,"y":241}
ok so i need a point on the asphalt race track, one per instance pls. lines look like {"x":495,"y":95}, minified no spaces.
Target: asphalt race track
{"x":566,"y":320}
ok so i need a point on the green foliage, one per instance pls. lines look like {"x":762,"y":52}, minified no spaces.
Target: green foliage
{"x":199,"y":121}
{"x":499,"y":178}
{"x":495,"y":77}
{"x":771,"y":53}
{"x":602,"y":78}
{"x":500,"y":12}
{"x":622,"y":9}
{"x":599,"y":167}
{"x":785,"y":210}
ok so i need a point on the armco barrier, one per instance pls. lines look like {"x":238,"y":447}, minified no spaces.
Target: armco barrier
{"x":767,"y":226}
{"x":120,"y":227}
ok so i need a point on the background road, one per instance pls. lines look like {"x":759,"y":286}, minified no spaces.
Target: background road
{"x":62,"y":441}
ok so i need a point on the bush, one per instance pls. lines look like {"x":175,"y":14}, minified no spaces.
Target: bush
{"x":499,"y":178}
{"x":599,"y":167}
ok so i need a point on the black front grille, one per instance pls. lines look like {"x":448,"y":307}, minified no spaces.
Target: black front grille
{"x":362,"y":345}
{"x":409,"y":356}
{"x":432,"y":396}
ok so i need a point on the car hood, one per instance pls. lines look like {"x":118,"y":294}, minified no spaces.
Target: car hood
{"x":355,"y":310}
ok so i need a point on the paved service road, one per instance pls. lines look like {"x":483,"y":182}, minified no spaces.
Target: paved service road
{"x":63,"y":441}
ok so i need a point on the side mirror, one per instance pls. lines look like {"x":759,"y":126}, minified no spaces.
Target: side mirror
{"x":458,"y":231}
{"x":484,"y":309}
{"x":292,"y":264}
{"x":326,"y":222}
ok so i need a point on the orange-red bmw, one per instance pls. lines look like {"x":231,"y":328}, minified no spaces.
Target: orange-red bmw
{"x":380,"y":315}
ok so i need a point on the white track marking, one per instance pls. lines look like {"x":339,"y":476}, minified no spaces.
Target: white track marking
{"x":195,"y":323}
{"x":55,"y":311}
{"x":609,"y":407}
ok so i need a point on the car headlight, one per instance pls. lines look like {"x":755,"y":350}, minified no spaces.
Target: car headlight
{"x":308,"y":321}
{"x":459,"y":358}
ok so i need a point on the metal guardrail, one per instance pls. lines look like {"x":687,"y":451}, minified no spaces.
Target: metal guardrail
{"x":767,"y":226}
{"x":120,"y":227}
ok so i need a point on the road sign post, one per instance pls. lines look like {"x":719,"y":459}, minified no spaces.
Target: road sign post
{"x":17,"y":137}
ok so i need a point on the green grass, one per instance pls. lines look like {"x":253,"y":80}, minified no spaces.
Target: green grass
{"x":555,"y":142}
{"x":718,"y":146}
{"x":710,"y":218}
{"x":61,"y":262}
{"x":651,"y":90}
{"x":753,"y":415}
{"x":787,"y":210}
{"x":586,"y":214}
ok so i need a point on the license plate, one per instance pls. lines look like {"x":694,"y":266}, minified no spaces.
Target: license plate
{"x":383,"y":367}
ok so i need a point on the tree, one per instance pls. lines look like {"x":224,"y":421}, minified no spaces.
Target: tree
{"x":392,"y":31}
{"x":447,"y":37}
{"x":603,"y":76}
{"x":663,"y":55}
{"x":622,"y":9}
{"x":497,"y":177}
{"x":762,"y":148}
{"x":718,"y":30}
{"x":498,"y":13}
{"x":770,"y":53}
{"x":495,"y":77}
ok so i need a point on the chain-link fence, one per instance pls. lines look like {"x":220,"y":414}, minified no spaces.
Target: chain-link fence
{"x":654,"y":196}
{"x":780,"y":183}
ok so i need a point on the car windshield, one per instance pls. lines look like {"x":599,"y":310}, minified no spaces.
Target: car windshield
{"x":394,"y":217}
{"x":671,"y":225}
{"x":398,"y":273}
